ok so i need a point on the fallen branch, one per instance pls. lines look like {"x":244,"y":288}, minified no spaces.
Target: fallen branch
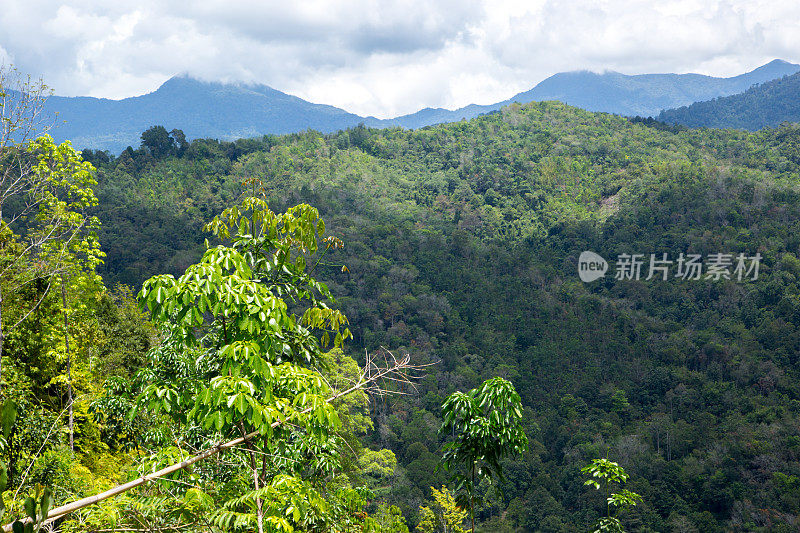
{"x":368,"y":381}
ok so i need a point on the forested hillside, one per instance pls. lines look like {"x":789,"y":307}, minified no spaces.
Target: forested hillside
{"x":761,"y":106}
{"x":457,"y":244}
{"x":461,"y":245}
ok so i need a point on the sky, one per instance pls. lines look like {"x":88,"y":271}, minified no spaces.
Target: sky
{"x":384,"y":58}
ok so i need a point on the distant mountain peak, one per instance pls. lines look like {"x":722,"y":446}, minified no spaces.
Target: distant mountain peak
{"x":763,"y":105}
{"x":179,"y":83}
{"x":228,"y":111}
{"x":776,"y":62}
{"x":776,"y":66}
{"x":182,"y":81}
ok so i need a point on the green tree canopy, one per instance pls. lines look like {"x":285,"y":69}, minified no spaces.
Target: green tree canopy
{"x":486,"y":424}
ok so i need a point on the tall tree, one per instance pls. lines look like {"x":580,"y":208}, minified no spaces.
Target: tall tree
{"x":244,"y":330}
{"x":21,"y":119}
{"x":49,"y":189}
{"x":179,"y":140}
{"x":487,"y":425}
{"x":158,"y":142}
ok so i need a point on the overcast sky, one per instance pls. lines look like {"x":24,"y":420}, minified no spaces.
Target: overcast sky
{"x":384,"y":58}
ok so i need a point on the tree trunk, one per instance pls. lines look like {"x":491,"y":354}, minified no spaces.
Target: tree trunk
{"x":1,"y":335}
{"x":259,"y":504}
{"x":12,"y":457}
{"x":472,"y":499}
{"x":69,"y":366}
{"x":254,"y":467}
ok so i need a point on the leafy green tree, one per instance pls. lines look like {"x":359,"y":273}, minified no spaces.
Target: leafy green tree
{"x":604,"y":474}
{"x":446,"y":516}
{"x":389,"y":519}
{"x":67,"y":236}
{"x":158,"y":142}
{"x":244,"y":329}
{"x":59,"y":239}
{"x":45,"y":189}
{"x":486,"y":425}
{"x":179,"y":140}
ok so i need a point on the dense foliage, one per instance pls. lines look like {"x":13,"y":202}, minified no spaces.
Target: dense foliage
{"x":461,"y":247}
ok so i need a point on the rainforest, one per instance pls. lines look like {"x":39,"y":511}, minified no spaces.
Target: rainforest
{"x":390,"y":327}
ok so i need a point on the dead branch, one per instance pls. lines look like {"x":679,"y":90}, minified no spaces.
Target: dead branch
{"x":393,"y":372}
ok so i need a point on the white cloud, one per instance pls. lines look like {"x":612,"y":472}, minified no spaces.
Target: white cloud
{"x":385,"y":57}
{"x":5,"y":57}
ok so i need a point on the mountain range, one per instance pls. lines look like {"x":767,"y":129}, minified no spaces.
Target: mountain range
{"x":229,"y":111}
{"x":764,"y":105}
{"x":612,"y":92}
